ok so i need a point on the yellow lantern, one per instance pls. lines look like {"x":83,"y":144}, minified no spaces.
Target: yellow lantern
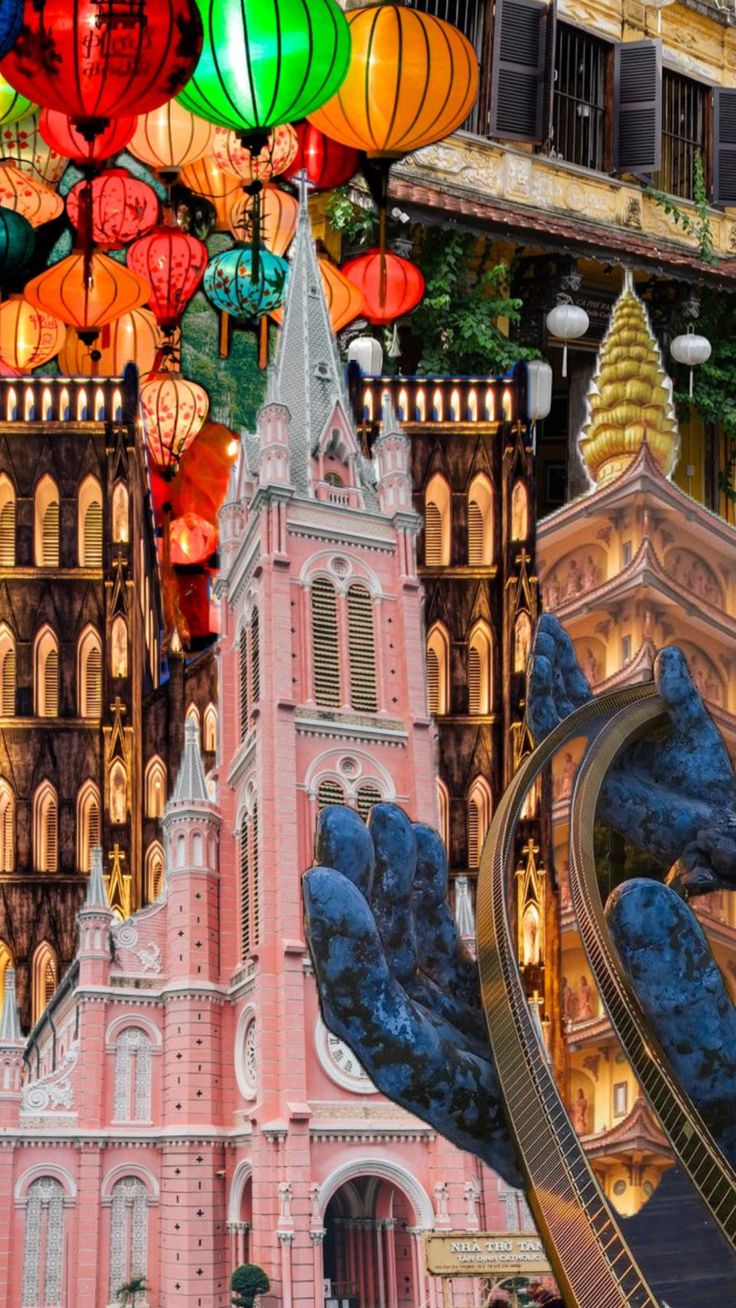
{"x":27,"y":196}
{"x":23,"y":145}
{"x":86,"y":291}
{"x":170,"y":137}
{"x":279,"y":212}
{"x":12,"y":104}
{"x":174,"y":410}
{"x":344,"y":300}
{"x":132,"y":338}
{"x":28,"y":336}
{"x":205,"y":177}
{"x":234,"y":157}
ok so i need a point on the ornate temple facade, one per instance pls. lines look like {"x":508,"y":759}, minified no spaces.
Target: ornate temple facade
{"x":86,"y":728}
{"x":181,"y":1108}
{"x":632,"y":565}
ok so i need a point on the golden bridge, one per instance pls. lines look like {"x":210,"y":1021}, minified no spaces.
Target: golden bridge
{"x":591,"y":1258}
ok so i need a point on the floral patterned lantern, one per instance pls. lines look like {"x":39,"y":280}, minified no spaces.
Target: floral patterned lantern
{"x":21,"y":143}
{"x":30,"y":198}
{"x":173,"y":263}
{"x":174,"y":410}
{"x":121,"y":207}
{"x":28,"y":337}
{"x":255,"y":165}
{"x":279,"y":212}
{"x":233,"y":286}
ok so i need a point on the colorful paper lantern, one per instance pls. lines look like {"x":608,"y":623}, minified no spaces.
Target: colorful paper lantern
{"x":263,"y":65}
{"x":28,"y":336}
{"x":13,"y":105}
{"x":173,"y":412}
{"x":412,"y":79}
{"x":203,"y":476}
{"x":59,"y":131}
{"x":86,"y":291}
{"x":205,"y":177}
{"x":327,"y":163}
{"x":192,"y":539}
{"x":233,"y":286}
{"x":30,"y":198}
{"x":21,"y":143}
{"x":279,"y":213}
{"x":132,"y":338}
{"x":255,"y":165}
{"x":173,"y":263}
{"x":344,"y":300}
{"x":122,"y":207}
{"x":17,"y":241}
{"x":68,"y":56}
{"x":404,"y":285}
{"x":11,"y":17}
{"x":170,"y":137}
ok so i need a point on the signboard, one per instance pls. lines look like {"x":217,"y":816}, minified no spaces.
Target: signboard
{"x":493,"y":1255}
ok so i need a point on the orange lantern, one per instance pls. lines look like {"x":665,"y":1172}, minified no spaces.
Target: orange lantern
{"x":21,"y":143}
{"x":132,"y":338}
{"x":170,"y":137}
{"x":87,"y":291}
{"x":344,"y":300}
{"x":412,"y":79}
{"x":192,"y":539}
{"x":279,"y":212}
{"x":203,"y":477}
{"x":173,"y":411}
{"x":205,"y":177}
{"x":27,"y":196}
{"x":235,"y":157}
{"x":28,"y":337}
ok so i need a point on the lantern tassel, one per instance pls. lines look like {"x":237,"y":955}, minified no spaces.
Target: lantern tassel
{"x":382,"y":235}
{"x":564,"y":360}
{"x":263,"y":342}
{"x":691,"y":382}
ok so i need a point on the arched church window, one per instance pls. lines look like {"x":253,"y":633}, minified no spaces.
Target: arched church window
{"x":437,"y":522}
{"x":250,"y":891}
{"x":45,"y":978}
{"x":443,"y":805}
{"x":118,"y":800}
{"x":46,"y":679}
{"x":438,"y":669}
{"x":46,"y":523}
{"x":478,"y":819}
{"x":244,"y":688}
{"x":120,"y":522}
{"x":522,"y":641}
{"x":325,"y":645}
{"x":480,"y":522}
{"x":89,"y":523}
{"x":361,"y":649}
{"x":128,"y":1234}
{"x":89,"y":674}
{"x":367,"y":796}
{"x":255,"y":658}
{"x":45,"y":828}
{"x":519,"y":512}
{"x":88,"y":824}
{"x":210,"y":729}
{"x":7,"y":522}
{"x":43,"y":1244}
{"x":154,"y":871}
{"x":132,"y":1091}
{"x":119,"y":647}
{"x":329,"y":792}
{"x":479,"y":670}
{"x":7,"y":672}
{"x":7,"y":828}
{"x":155,"y":788}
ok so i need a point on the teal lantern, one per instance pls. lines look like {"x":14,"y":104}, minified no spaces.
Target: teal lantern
{"x":17,"y":241}
{"x":238,"y":284}
{"x":266,"y":64}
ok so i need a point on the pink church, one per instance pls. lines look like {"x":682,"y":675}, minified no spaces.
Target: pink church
{"x":180,"y":1107}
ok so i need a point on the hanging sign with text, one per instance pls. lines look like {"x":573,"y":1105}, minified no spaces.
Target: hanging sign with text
{"x":505,"y":1254}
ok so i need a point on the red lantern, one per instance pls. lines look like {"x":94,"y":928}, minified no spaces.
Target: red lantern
{"x":102,"y":59}
{"x":192,"y":539}
{"x":122,"y":207}
{"x":173,"y":262}
{"x":404,"y":285}
{"x":58,"y":131}
{"x":327,"y":163}
{"x":204,"y":472}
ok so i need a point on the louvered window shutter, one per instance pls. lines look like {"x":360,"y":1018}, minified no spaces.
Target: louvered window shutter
{"x":367,"y":797}
{"x":8,"y":852}
{"x":93,"y":832}
{"x":637,"y":121}
{"x":49,"y":982}
{"x":51,"y":836}
{"x":244,"y":892}
{"x":7,"y":534}
{"x":522,"y":70}
{"x":473,"y":834}
{"x":50,"y":535}
{"x":51,"y":685}
{"x":93,"y":536}
{"x":362,"y":650}
{"x":325,"y":644}
{"x":255,"y":883}
{"x":8,"y":686}
{"x":244,"y":703}
{"x":724,"y":146}
{"x":432,"y":536}
{"x":433,"y":682}
{"x":93,"y":686}
{"x":255,"y":659}
{"x":330,"y":792}
{"x":475,"y":535}
{"x":474,"y":681}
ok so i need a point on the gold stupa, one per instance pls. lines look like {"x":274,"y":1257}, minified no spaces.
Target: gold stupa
{"x":630,"y":398}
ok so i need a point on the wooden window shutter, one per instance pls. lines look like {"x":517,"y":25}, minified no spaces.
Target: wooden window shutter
{"x":724,"y":146}
{"x":475,"y":678}
{"x":51,"y":685}
{"x":329,"y":792}
{"x":367,"y":797}
{"x":522,"y":70}
{"x":8,"y":836}
{"x":637,"y":120}
{"x":7,"y":534}
{"x":93,"y":832}
{"x":475,"y":535}
{"x":51,"y":836}
{"x":244,"y":892}
{"x":362,"y":650}
{"x":255,"y":659}
{"x":473,"y":834}
{"x":8,"y":685}
{"x":49,"y":981}
{"x":244,"y":702}
{"x":255,"y":882}
{"x":50,"y":535}
{"x":325,"y":644}
{"x":93,"y":535}
{"x":432,"y":536}
{"x":93,"y":683}
{"x":433,"y":682}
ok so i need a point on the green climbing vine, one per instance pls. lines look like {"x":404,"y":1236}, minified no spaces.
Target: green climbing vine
{"x":697,"y":223}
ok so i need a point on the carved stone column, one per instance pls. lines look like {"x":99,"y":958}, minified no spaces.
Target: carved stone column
{"x":392,"y":1296}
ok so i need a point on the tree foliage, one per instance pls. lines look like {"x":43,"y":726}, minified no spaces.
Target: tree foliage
{"x":714,"y":382}
{"x":246,"y":1283}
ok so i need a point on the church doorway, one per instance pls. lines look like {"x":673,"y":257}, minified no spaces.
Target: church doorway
{"x":372,"y":1253}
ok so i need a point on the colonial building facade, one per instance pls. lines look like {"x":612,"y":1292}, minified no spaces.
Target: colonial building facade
{"x":183,"y":1108}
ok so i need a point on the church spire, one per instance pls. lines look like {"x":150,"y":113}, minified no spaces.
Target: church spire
{"x":10,"y":1031}
{"x":191,"y":785}
{"x":96,"y":890}
{"x":306,"y":376}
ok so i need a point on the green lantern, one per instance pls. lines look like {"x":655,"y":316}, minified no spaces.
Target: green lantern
{"x":268,"y":63}
{"x":17,"y":241}
{"x":13,"y":105}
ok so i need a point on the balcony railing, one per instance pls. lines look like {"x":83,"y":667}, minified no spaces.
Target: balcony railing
{"x":62,"y":399}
